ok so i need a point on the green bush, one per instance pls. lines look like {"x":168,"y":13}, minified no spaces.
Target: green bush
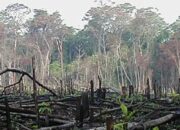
{"x":44,"y":108}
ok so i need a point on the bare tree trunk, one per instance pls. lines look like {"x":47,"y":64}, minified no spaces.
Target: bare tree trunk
{"x":135,"y":68}
{"x":59,"y":43}
{"x":118,"y":77}
{"x":122,"y":79}
{"x":35,"y":91}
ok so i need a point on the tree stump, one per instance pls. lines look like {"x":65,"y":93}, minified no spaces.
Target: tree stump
{"x":155,"y":89}
{"x":82,"y":109}
{"x":92,"y":91}
{"x":109,"y":123}
{"x":131,"y":90}
{"x":124,"y":91}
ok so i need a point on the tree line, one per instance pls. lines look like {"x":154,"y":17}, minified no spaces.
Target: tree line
{"x":120,"y":43}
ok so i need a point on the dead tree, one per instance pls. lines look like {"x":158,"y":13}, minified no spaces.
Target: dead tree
{"x":85,"y":103}
{"x":148,"y":90}
{"x":109,"y":123}
{"x":99,"y":90}
{"x":124,"y":91}
{"x":131,"y":90}
{"x":82,"y":109}
{"x":179,"y":86}
{"x":92,"y":91}
{"x":100,"y":82}
{"x":35,"y":91}
{"x":61,"y":88}
{"x":160,"y":92}
{"x":155,"y":89}
{"x":103,"y":93}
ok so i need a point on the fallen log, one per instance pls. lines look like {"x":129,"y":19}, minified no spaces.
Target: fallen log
{"x":18,"y":110}
{"x":53,"y":119}
{"x":63,"y":123}
{"x":153,"y":123}
{"x":64,"y":126}
{"x":21,"y":126}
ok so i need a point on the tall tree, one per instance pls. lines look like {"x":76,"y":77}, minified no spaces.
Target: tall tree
{"x":145,"y":27}
{"x":13,"y":18}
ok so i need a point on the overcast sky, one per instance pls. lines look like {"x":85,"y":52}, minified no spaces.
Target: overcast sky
{"x":72,"y":11}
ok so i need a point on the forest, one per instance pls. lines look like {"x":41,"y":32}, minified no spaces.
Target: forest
{"x":121,"y":71}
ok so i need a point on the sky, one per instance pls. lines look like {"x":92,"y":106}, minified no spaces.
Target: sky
{"x":73,"y":11}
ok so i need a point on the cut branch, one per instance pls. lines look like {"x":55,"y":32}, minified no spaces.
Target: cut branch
{"x":28,"y":75}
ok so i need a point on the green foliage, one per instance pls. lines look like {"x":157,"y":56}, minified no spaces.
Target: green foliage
{"x":130,"y":115}
{"x":175,"y":97}
{"x":124,"y":109}
{"x":173,"y":94}
{"x":81,"y":40}
{"x":156,"y":128}
{"x":71,"y":67}
{"x":176,"y":25}
{"x":127,"y":116}
{"x":44,"y":108}
{"x":34,"y":127}
{"x":119,"y":126}
{"x":55,"y":69}
{"x":42,"y":92}
{"x":137,"y":98}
